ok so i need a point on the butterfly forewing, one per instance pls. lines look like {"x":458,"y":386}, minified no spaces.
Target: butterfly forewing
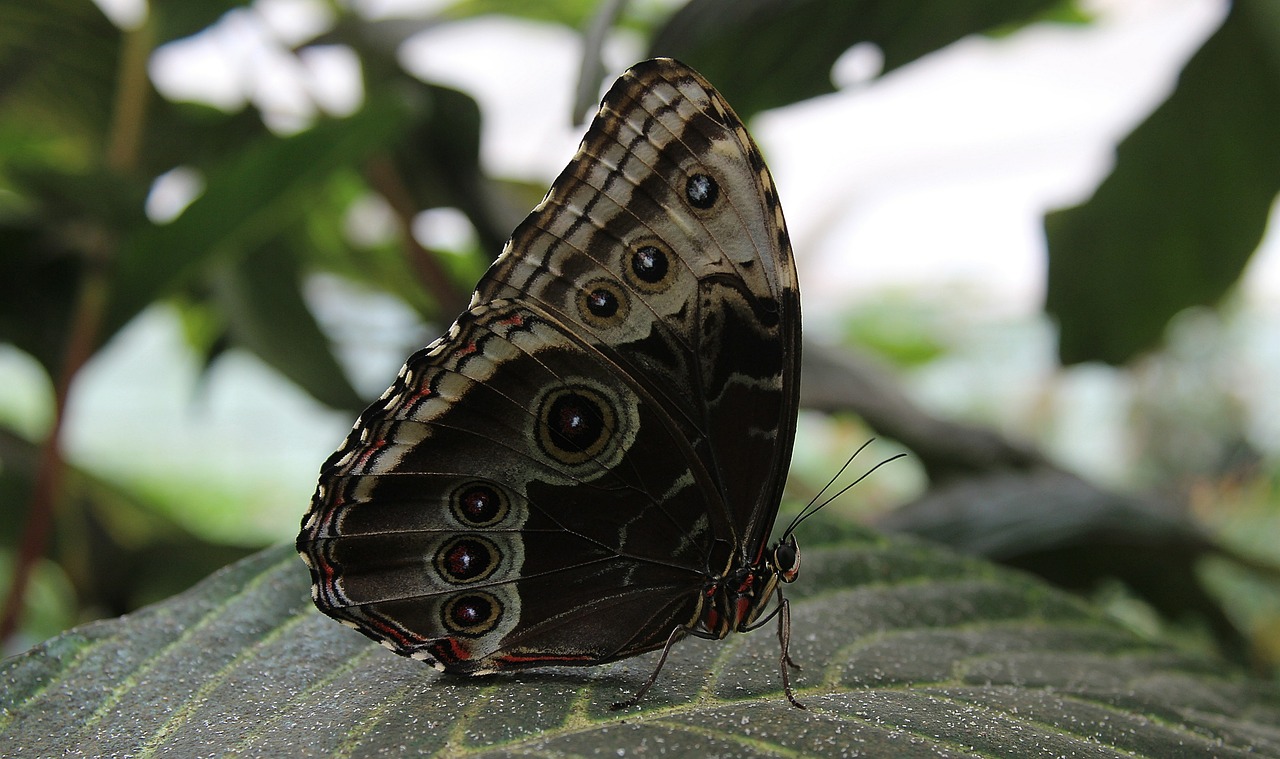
{"x":712,"y":326}
{"x":606,"y":430}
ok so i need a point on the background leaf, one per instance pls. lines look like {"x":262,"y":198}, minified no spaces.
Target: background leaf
{"x":57,"y":62}
{"x":267,"y":315}
{"x":794,"y":43}
{"x":907,"y":651}
{"x":174,"y":19}
{"x":1186,"y":206}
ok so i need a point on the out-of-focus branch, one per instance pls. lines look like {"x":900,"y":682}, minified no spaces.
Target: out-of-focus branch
{"x":843,"y":380}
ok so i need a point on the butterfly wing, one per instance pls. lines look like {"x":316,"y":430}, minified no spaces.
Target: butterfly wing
{"x":556,"y":479}
{"x":695,"y":296}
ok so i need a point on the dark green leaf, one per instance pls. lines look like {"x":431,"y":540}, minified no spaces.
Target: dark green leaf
{"x":767,"y":53}
{"x":907,"y":652}
{"x":198,"y":136}
{"x":440,"y":161}
{"x":1176,"y":222}
{"x":1081,"y":537}
{"x":39,"y":277}
{"x":573,"y":13}
{"x":174,"y":19}
{"x":58,"y":61}
{"x":68,"y":226}
{"x":261,"y":299}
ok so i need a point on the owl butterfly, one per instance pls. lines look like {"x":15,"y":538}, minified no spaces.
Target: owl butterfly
{"x":588,"y":464}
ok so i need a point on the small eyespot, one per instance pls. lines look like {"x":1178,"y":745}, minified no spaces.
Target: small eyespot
{"x":650,"y":264}
{"x":478,"y":504}
{"x":471,"y":614}
{"x":701,"y":191}
{"x":466,"y":559}
{"x":603,"y":303}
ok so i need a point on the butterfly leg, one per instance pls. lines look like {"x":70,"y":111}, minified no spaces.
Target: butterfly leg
{"x":676,"y":635}
{"x":784,"y":640}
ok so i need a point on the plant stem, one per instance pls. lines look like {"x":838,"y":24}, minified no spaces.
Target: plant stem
{"x":120,"y":154}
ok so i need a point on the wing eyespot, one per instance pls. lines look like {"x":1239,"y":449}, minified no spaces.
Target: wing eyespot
{"x":471,"y":615}
{"x":702,"y":191}
{"x":603,"y":303}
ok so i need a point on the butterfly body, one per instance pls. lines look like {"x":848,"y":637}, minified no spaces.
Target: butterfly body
{"x":588,"y":464}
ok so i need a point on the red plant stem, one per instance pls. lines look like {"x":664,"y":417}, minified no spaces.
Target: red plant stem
{"x":383,"y":177}
{"x":121,"y":156}
{"x":50,"y":469}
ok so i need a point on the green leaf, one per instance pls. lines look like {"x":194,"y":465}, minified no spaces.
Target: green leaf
{"x":246,"y":201}
{"x":907,"y":650}
{"x":115,"y":547}
{"x":768,"y":53}
{"x":440,"y":164}
{"x":572,"y":13}
{"x":1186,"y":206}
{"x":195,"y":135}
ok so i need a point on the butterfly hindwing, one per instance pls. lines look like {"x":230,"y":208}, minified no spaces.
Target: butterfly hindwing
{"x":464,"y":487}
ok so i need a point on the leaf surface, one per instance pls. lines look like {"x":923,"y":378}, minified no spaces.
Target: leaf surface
{"x":907,"y":651}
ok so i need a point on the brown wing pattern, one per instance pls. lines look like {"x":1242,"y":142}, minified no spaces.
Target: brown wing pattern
{"x":717,"y":337}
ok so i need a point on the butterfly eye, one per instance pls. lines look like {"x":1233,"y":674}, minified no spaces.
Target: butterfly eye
{"x":702,"y":191}
{"x":770,"y":312}
{"x":786,"y":559}
{"x":471,"y":614}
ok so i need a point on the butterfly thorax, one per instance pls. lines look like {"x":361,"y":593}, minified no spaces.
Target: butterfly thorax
{"x":736,"y":601}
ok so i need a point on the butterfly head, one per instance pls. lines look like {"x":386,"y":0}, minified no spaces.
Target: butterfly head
{"x":786,"y":559}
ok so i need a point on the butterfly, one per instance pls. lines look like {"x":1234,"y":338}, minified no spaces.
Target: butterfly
{"x":588,"y":464}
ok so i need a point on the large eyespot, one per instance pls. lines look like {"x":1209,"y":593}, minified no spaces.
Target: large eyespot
{"x":603,"y":303}
{"x":471,"y":614}
{"x":582,"y":428}
{"x":701,"y":191}
{"x":466,"y":559}
{"x":479,"y":504}
{"x":575,"y":424}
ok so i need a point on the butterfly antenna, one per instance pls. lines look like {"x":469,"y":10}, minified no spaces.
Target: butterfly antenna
{"x":830,"y":482}
{"x":802,"y":515}
{"x":810,"y":509}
